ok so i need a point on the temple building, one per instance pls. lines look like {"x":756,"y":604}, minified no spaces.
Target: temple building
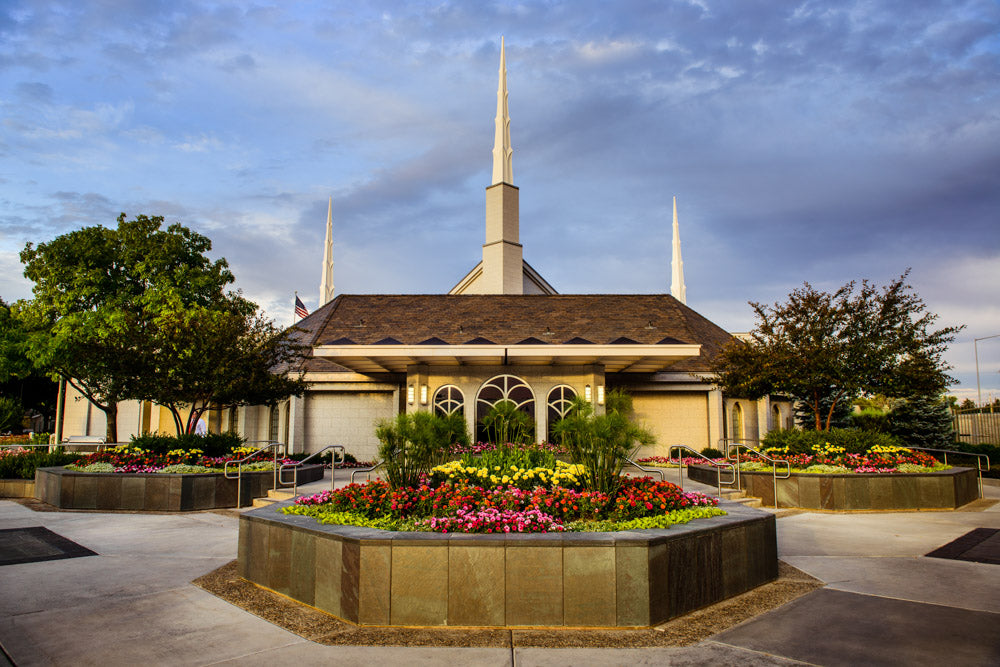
{"x":502,"y":332}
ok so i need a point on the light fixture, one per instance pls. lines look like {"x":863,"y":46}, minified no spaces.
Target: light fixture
{"x":600,"y":394}
{"x":423,"y":394}
{"x":409,"y":394}
{"x":586,"y":393}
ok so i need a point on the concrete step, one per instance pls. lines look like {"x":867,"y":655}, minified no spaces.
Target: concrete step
{"x":279,"y":494}
{"x":263,"y":502}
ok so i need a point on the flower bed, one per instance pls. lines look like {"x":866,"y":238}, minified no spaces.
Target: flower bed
{"x":856,"y":490}
{"x":155,"y":491}
{"x":461,"y":507}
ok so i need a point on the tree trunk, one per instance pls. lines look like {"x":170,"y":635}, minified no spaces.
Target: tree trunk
{"x":111,"y":414}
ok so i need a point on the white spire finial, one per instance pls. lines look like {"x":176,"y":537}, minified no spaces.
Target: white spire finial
{"x":503,"y":169}
{"x":326,"y":283}
{"x":677,"y":287}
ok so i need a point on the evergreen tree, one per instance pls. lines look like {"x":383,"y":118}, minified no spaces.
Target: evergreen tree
{"x":923,"y":421}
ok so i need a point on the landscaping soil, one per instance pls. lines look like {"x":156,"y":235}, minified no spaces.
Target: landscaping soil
{"x":322,"y":628}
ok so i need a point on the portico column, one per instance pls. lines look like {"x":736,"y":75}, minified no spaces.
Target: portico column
{"x":763,"y":415}
{"x":297,"y":424}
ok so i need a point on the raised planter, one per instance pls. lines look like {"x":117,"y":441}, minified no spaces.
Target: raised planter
{"x":625,"y":579}
{"x":17,"y":488}
{"x":154,"y":492}
{"x":945,"y":489}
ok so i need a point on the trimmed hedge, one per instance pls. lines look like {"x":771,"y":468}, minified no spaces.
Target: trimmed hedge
{"x":854,"y":441}
{"x":211,"y":444}
{"x":22,"y":466}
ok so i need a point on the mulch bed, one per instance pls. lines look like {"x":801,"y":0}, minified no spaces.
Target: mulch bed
{"x":322,"y":628}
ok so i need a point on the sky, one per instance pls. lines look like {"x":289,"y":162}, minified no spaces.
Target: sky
{"x":818,"y":142}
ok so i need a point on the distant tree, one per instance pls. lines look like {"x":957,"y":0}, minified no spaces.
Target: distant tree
{"x":923,"y":421}
{"x":221,"y":356}
{"x":967,"y":404}
{"x":97,"y":293}
{"x":840,"y":346}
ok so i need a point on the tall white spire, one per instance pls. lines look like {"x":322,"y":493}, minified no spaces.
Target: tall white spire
{"x":503,"y":169}
{"x":677,"y":287}
{"x":326,"y":283}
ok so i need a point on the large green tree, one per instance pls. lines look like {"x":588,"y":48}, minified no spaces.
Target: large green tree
{"x":825,"y":348}
{"x":221,"y":356}
{"x":97,"y":294}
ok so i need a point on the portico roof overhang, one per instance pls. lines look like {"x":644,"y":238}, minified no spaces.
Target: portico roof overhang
{"x":626,"y":358}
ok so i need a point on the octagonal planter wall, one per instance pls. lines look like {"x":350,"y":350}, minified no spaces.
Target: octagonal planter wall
{"x":154,"y":492}
{"x":946,"y":489}
{"x":626,"y":579}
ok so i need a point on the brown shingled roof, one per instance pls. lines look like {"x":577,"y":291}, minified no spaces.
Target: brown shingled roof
{"x":648,"y":319}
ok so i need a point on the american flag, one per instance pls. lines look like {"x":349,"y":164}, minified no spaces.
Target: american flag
{"x":300,"y":308}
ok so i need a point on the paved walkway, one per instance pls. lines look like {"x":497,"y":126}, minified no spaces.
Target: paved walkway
{"x":883,"y":603}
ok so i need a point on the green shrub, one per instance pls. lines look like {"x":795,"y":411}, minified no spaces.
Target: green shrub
{"x":412,"y":444}
{"x":504,"y":424}
{"x":870,"y":420}
{"x":923,"y":421}
{"x":854,"y":441}
{"x":11,"y":414}
{"x":600,"y":443}
{"x":712,"y":453}
{"x":211,"y":444}
{"x":40,"y":438}
{"x":527,"y":457}
{"x":22,"y":466}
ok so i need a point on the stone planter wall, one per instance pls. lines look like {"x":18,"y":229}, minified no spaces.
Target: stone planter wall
{"x":627,"y":579}
{"x":946,"y":489}
{"x":17,"y":488}
{"x":154,"y":492}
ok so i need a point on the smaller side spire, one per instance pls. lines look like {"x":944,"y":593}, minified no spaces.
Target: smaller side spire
{"x":503,"y":169}
{"x":677,"y":287}
{"x":326,"y":282}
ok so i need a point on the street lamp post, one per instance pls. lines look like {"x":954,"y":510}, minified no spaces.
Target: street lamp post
{"x":975,"y":347}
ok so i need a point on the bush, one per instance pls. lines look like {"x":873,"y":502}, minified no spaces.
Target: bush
{"x":923,"y":421}
{"x":11,"y":414}
{"x":211,"y":444}
{"x":504,"y":423}
{"x":600,"y":443}
{"x":505,"y":456}
{"x":411,"y":444}
{"x":22,"y":465}
{"x":870,"y":420}
{"x":854,"y":441}
{"x":712,"y":453}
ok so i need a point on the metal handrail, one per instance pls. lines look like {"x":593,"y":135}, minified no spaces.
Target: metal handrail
{"x":297,"y":464}
{"x":979,"y":460}
{"x":366,"y":470}
{"x":774,"y":463}
{"x":636,"y":465}
{"x":718,"y":467}
{"x":272,"y":444}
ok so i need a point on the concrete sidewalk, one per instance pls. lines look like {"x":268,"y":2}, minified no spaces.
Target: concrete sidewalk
{"x":884,"y":603}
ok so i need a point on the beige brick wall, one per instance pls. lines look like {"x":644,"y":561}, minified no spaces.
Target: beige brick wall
{"x":346,"y":418}
{"x":674,"y":417}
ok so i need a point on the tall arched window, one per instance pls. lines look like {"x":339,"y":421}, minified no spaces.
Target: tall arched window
{"x":503,"y":388}
{"x":449,"y":400}
{"x":234,"y":422}
{"x":737,"y":422}
{"x":559,"y":402}
{"x":272,"y":424}
{"x":775,"y":417}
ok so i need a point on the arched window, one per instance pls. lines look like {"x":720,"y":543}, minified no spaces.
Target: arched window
{"x":775,"y":418}
{"x":272,"y":424}
{"x":234,"y":422}
{"x":449,"y":400}
{"x":503,"y":388}
{"x":559,"y":402}
{"x":737,"y":422}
